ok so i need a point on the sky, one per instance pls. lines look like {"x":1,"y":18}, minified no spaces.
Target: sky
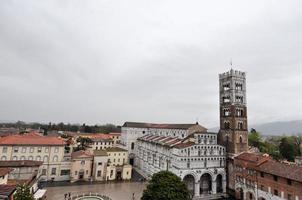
{"x":104,"y":61}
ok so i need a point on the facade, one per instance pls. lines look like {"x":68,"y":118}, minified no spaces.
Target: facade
{"x":81,"y":166}
{"x":116,"y":138}
{"x":258,"y":176}
{"x":187,"y":150}
{"x":100,"y":162}
{"x":100,"y":141}
{"x":32,"y":146}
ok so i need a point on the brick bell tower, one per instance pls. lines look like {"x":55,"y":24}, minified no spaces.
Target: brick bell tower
{"x":233,"y":132}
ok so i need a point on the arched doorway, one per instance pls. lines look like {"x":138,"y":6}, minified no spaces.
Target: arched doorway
{"x":205,"y":184}
{"x":219,"y":188}
{"x":190,"y":183}
{"x":261,"y":198}
{"x":239,"y":193}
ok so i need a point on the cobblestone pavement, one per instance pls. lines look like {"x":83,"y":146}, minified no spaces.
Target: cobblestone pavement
{"x":116,"y":191}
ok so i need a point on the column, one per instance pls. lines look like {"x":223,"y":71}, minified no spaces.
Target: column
{"x":224,"y":186}
{"x":214,"y":187}
{"x":197,"y":189}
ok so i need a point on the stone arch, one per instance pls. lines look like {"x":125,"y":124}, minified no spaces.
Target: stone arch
{"x":206,"y":183}
{"x":250,"y":195}
{"x":189,"y":180}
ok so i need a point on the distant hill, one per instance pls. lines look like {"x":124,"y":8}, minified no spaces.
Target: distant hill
{"x":275,"y":128}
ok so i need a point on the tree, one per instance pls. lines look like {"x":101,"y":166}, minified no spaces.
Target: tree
{"x":288,"y":149}
{"x":84,"y":143}
{"x":23,"y":193}
{"x":165,"y":185}
{"x":254,"y":139}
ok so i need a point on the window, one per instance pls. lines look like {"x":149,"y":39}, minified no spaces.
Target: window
{"x":240,"y":139}
{"x":3,"y":158}
{"x":82,"y":162}
{"x":46,"y":149}
{"x":53,"y":171}
{"x":132,"y":145}
{"x":276,"y":192}
{"x":226,"y":86}
{"x":240,"y":125}
{"x":227,"y":125}
{"x":289,"y":182}
{"x":226,"y":112}
{"x":76,"y":173}
{"x":55,"y":159}
{"x":4,"y":150}
{"x":43,"y":172}
{"x":56,"y":149}
{"x":31,"y":150}
{"x":39,"y":149}
{"x":65,"y":172}
{"x":22,"y":158}
{"x":275,"y":178}
{"x":16,"y":149}
{"x":30,"y":158}
{"x":226,"y":99}
{"x":45,"y":159}
{"x":99,"y":173}
{"x":86,"y":171}
{"x":100,"y":163}
{"x":23,"y":149}
{"x":38,"y":158}
{"x":261,"y":174}
{"x":111,"y":173}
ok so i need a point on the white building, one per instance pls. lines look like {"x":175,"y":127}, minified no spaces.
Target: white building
{"x":187,"y":150}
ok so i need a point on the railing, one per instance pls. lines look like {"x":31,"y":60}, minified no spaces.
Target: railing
{"x":101,"y":196}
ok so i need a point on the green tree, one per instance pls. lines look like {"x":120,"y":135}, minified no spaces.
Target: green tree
{"x":23,"y":193}
{"x":165,"y":185}
{"x":255,"y":139}
{"x":84,"y":143}
{"x":288,"y":149}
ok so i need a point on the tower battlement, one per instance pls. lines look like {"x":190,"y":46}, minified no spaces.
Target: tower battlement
{"x":232,"y":72}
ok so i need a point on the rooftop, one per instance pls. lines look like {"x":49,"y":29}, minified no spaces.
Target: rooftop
{"x":100,"y":153}
{"x":81,"y":153}
{"x":20,"y":163}
{"x":159,"y":126}
{"x":7,"y":190}
{"x":162,"y":140}
{"x":31,"y":139}
{"x":4,"y":171}
{"x":115,"y":149}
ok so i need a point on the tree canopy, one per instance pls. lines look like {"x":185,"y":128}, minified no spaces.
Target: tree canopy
{"x":165,"y":185}
{"x":23,"y":193}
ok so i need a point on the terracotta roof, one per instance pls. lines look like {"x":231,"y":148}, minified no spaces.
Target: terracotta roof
{"x":115,"y":149}
{"x":290,"y":171}
{"x":81,"y":153}
{"x":7,"y":190}
{"x":163,"y":140}
{"x":20,"y":163}
{"x":4,"y":171}
{"x":97,"y":136}
{"x":162,"y":126}
{"x":115,"y":134}
{"x":30,"y":139}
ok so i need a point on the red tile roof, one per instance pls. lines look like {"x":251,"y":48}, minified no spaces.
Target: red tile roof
{"x":184,"y":145}
{"x":81,"y":153}
{"x":7,"y":190}
{"x":31,"y":139}
{"x":4,"y":171}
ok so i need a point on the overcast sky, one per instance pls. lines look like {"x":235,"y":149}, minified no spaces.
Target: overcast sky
{"x":107,"y":61}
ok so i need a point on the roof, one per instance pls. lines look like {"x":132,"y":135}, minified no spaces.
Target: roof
{"x":100,"y":153}
{"x":97,"y":136}
{"x":184,"y":145}
{"x":290,"y":171}
{"x":4,"y":171}
{"x":162,"y":140}
{"x":81,"y":153}
{"x":115,"y":149}
{"x":7,"y":190}
{"x":20,"y":163}
{"x":161,"y":126}
{"x":115,"y":134}
{"x":31,"y":139}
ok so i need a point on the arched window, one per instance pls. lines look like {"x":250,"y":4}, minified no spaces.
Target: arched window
{"x":45,"y":159}
{"x":240,"y":139}
{"x":55,"y":159}
{"x":30,"y":158}
{"x":240,"y":125}
{"x":15,"y":158}
{"x":22,"y":158}
{"x":227,"y":125}
{"x":38,"y":158}
{"x":3,"y":158}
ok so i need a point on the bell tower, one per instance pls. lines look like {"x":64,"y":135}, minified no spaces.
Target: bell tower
{"x":233,"y":132}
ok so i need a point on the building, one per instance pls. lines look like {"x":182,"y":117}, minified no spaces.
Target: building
{"x":258,"y":176}
{"x":100,"y":141}
{"x":81,"y":166}
{"x":4,"y":175}
{"x":100,"y":163}
{"x":116,"y":138}
{"x":34,"y":147}
{"x":298,"y":160}
{"x":7,"y":192}
{"x":233,"y":133}
{"x":187,"y":150}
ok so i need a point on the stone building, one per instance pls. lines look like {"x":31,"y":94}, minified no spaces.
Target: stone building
{"x":187,"y":150}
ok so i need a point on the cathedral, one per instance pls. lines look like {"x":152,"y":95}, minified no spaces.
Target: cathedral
{"x":200,"y":158}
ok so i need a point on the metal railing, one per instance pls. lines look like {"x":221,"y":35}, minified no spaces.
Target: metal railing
{"x":91,"y":194}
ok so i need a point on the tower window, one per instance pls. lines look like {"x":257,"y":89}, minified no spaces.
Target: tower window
{"x":240,"y":139}
{"x":238,"y":86}
{"x":226,"y":112}
{"x":239,"y":99}
{"x":239,"y":112}
{"x":226,"y":86}
{"x":240,"y":125}
{"x":226,"y":99}
{"x":227,"y":125}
